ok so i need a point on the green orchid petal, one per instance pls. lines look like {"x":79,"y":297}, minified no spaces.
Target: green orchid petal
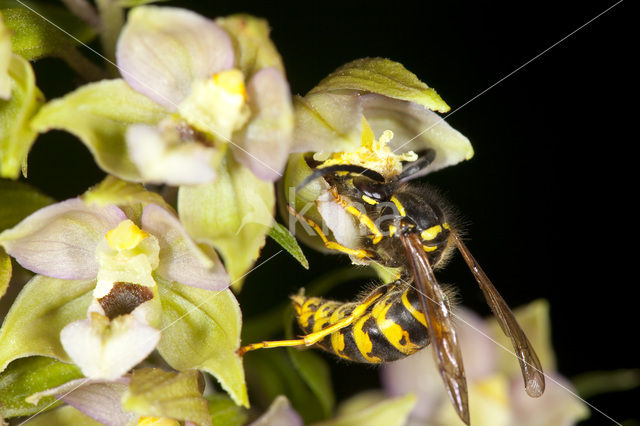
{"x":254,"y":49}
{"x":234,"y":215}
{"x":287,"y":241}
{"x":5,"y":59}
{"x":16,"y":135}
{"x":27,"y":376}
{"x":201,"y":330}
{"x":384,"y":77}
{"x":327,"y":122}
{"x":157,"y":393}
{"x":43,"y":308}
{"x":99,"y":114}
{"x":5,"y":272}
{"x":225,"y":412}
{"x":126,"y":195}
{"x":535,"y":321}
{"x":33,"y":36}
{"x":63,"y":416}
{"x":367,"y":409}
{"x":19,"y":200}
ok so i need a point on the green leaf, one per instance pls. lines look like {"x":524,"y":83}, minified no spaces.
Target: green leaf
{"x":153,"y":392}
{"x":282,"y":236}
{"x":27,"y":376}
{"x":201,"y":330}
{"x":315,"y":372}
{"x":41,"y":310}
{"x":5,"y":271}
{"x":16,"y":135}
{"x":233,"y":214}
{"x":43,"y":30}
{"x":19,"y":200}
{"x":387,"y":412}
{"x":253,"y":47}
{"x":98,"y":114}
{"x":384,"y":77}
{"x":224,"y":412}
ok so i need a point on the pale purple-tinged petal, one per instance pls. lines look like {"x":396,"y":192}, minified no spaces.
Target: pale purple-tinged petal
{"x":162,"y":50}
{"x":558,"y":406}
{"x":60,"y":240}
{"x":98,"y":399}
{"x":106,"y":349}
{"x":280,"y":413}
{"x":416,"y":128}
{"x":181,"y":260}
{"x":263,"y":145}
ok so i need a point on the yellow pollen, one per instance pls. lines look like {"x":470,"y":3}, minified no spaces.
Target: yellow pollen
{"x":231,"y":81}
{"x":157,"y":421}
{"x":373,"y":154}
{"x":125,"y":236}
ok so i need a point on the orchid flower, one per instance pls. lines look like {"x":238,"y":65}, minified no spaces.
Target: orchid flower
{"x":496,"y":394}
{"x":147,"y":396}
{"x":192,"y":90}
{"x":143,"y":269}
{"x":185,"y":63}
{"x":374,"y":113}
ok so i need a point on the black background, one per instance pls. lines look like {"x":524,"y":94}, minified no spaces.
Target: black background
{"x":548,"y":195}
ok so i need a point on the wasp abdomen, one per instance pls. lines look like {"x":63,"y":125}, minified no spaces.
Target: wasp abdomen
{"x":391,"y":328}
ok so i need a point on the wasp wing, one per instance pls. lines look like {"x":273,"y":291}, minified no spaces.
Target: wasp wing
{"x":529,"y":362}
{"x":441,"y":331}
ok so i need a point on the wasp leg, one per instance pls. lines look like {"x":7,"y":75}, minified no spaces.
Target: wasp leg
{"x":362,"y":218}
{"x":331,"y":245}
{"x":313,"y":338}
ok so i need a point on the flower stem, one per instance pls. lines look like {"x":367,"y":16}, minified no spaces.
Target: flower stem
{"x":112,"y":20}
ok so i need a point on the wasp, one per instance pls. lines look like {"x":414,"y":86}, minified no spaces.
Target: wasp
{"x":407,"y":226}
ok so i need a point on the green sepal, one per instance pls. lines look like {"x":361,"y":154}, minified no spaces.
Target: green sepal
{"x":43,"y":29}
{"x":384,"y":77}
{"x":19,"y":200}
{"x":233,"y":214}
{"x":131,"y":197}
{"x":225,"y":412}
{"x":16,"y":135}
{"x":42,"y":309}
{"x":287,"y":241}
{"x":201,"y":330}
{"x":373,"y":409}
{"x":332,"y":118}
{"x":5,"y":271}
{"x":98,"y":114}
{"x":27,"y":376}
{"x":158,"y":393}
{"x":253,"y":48}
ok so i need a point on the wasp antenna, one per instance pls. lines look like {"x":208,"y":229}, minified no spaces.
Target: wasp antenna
{"x":413,"y":170}
{"x":349,"y":168}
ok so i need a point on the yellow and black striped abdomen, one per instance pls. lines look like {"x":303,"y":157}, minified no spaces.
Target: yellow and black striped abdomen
{"x":391,"y":328}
